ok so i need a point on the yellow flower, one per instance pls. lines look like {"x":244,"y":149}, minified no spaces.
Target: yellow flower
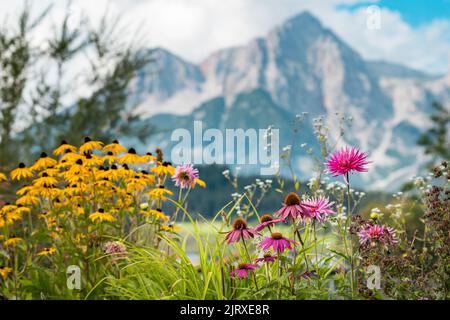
{"x":4,"y":272}
{"x":131,"y":157}
{"x":3,"y":177}
{"x":48,"y":192}
{"x":45,"y":181}
{"x":170,"y":228}
{"x":64,"y":147}
{"x":163,"y":169}
{"x":90,"y":145}
{"x":47,"y":251}
{"x":110,"y":158}
{"x":159,"y":193}
{"x":51,"y":172}
{"x":12,"y":242}
{"x":70,"y":157}
{"x":149,"y":157}
{"x":28,"y":200}
{"x":156,"y":213}
{"x":114,"y":148}
{"x":43,"y":162}
{"x":91,"y":160}
{"x":22,"y":210}
{"x":200,"y":182}
{"x":101,"y":216}
{"x":21,"y":172}
{"x":24,"y":190}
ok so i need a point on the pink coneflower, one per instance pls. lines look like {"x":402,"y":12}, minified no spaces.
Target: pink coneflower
{"x":240,"y":231}
{"x":242,"y":270}
{"x":346,"y":161}
{"x":371,"y":234}
{"x":184,"y":176}
{"x":266,"y":258}
{"x":267,"y":220}
{"x":293,"y":208}
{"x":277,"y":242}
{"x":319,"y":207}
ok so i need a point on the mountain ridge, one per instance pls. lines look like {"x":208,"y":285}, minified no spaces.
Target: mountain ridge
{"x":305,"y":67}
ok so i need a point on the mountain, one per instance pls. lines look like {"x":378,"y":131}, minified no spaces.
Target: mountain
{"x":299,"y":66}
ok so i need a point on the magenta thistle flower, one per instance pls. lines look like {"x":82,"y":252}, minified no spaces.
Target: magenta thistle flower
{"x":184,"y":176}
{"x":319,"y":207}
{"x":266,"y":258}
{"x":242,"y":270}
{"x":293,"y":208}
{"x":277,"y":242}
{"x":371,"y":234}
{"x":267,"y":221}
{"x":240,"y":231}
{"x":346,"y":161}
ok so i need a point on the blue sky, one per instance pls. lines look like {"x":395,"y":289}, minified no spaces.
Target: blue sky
{"x":415,"y":33}
{"x":414,"y":12}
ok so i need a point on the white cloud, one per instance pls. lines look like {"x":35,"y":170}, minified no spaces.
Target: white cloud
{"x":195,"y":28}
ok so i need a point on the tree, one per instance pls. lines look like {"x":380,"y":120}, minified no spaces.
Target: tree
{"x":435,"y":140}
{"x":73,"y":85}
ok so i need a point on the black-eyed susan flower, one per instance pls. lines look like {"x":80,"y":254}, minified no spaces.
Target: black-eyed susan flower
{"x":160,"y":193}
{"x":114,"y":147}
{"x":21,"y":172}
{"x":110,"y":158}
{"x":47,"y":252}
{"x":92,"y":160}
{"x":45,"y":181}
{"x":22,"y":210}
{"x":163,"y":169}
{"x":131,"y":157}
{"x":170,"y":228}
{"x":101,"y":216}
{"x":43,"y":162}
{"x":90,"y":145}
{"x":3,"y":177}
{"x":12,"y":242}
{"x":28,"y":200}
{"x":64,"y":147}
{"x":157,"y":213}
{"x":149,"y":157}
{"x":48,"y":192}
{"x":4,"y":271}
{"x":69,"y":157}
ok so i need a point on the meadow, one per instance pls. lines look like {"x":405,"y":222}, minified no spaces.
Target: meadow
{"x":100,"y":221}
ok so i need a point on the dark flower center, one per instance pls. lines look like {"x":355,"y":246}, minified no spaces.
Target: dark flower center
{"x":266,"y":218}
{"x":277,"y":235}
{"x":116,"y":142}
{"x":101,"y":210}
{"x":184,"y":176}
{"x":87,"y":139}
{"x":79,"y":162}
{"x":292,"y":199}
{"x":242,"y":266}
{"x":63,"y":142}
{"x":239,"y":224}
{"x":43,"y":155}
{"x":21,"y":165}
{"x":132,"y":151}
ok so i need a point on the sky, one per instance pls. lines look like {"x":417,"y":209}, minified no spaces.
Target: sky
{"x":415,"y":33}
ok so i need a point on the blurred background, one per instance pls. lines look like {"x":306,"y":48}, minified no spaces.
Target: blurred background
{"x":369,"y":73}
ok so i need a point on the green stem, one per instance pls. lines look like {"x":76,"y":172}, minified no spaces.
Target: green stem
{"x":250,"y":261}
{"x":347,"y":225}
